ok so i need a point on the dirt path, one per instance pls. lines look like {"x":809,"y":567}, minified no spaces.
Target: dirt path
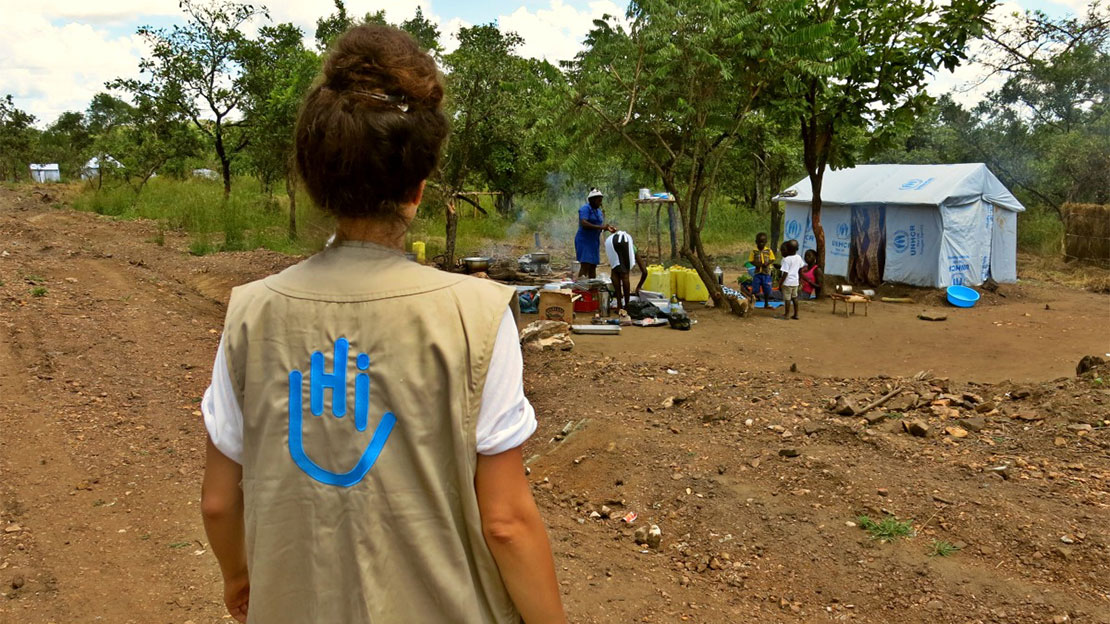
{"x":101,"y":455}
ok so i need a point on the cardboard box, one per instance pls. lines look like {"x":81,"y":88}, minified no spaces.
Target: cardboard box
{"x":557,"y":305}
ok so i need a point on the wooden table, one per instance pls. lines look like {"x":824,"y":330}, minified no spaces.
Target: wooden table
{"x":850,"y":300}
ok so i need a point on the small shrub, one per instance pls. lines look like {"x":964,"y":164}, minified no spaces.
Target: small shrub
{"x":38,"y":291}
{"x":886,"y":530}
{"x":941,"y":548}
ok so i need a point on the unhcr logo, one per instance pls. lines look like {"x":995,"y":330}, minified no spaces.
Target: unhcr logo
{"x":793,"y":229}
{"x":901,"y":241}
{"x":843,"y":231}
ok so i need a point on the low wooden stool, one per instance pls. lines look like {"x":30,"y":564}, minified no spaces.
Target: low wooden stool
{"x":851,"y":300}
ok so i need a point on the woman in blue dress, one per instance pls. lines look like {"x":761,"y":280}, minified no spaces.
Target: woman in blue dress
{"x":587,"y":243}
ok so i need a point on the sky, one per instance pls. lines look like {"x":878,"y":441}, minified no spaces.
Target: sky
{"x":55,"y":55}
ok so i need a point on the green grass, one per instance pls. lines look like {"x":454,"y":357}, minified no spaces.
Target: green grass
{"x":248,"y":219}
{"x":1041,"y":232}
{"x":38,"y":291}
{"x":941,"y":548}
{"x":886,"y":530}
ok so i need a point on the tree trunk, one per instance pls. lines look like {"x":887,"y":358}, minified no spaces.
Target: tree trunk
{"x":673,"y":225}
{"x":225,"y":163}
{"x":504,"y":203}
{"x":452,"y":232}
{"x":291,"y":191}
{"x":818,"y":229}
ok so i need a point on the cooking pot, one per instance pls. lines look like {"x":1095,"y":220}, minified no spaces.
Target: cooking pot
{"x":540,"y":257}
{"x":476,"y":264}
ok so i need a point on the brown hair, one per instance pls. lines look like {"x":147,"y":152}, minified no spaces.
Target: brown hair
{"x":371,"y":127}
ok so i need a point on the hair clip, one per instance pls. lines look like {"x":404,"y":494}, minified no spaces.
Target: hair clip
{"x":397,"y":100}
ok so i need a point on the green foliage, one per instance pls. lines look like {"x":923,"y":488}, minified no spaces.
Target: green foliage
{"x":67,"y":142}
{"x":886,"y":530}
{"x":38,"y":291}
{"x":856,"y":79}
{"x":941,"y":548}
{"x":197,"y":63}
{"x":17,"y":137}
{"x":277,"y":72}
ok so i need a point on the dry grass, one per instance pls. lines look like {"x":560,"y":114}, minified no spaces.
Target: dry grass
{"x":1054,"y":269}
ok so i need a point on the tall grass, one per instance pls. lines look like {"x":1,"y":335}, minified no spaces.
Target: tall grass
{"x":249,"y":219}
{"x":1040,"y":232}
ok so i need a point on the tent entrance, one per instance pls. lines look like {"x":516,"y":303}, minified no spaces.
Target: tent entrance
{"x":868,"y":253}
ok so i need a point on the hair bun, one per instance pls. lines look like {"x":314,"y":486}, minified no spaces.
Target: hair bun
{"x":372,"y":58}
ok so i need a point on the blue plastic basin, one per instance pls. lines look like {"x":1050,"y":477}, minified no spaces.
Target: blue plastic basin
{"x":962,"y":296}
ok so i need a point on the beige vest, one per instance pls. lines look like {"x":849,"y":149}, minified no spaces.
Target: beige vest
{"x":360,"y":504}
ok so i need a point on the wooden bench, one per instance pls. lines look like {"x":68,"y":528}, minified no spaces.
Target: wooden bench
{"x":850,"y":300}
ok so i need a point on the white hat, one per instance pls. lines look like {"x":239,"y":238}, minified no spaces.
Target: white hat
{"x":594,"y":193}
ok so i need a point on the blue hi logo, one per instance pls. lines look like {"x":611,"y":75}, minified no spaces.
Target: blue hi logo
{"x":336,"y":381}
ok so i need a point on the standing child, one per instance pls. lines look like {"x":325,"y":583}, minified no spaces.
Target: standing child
{"x":812,"y":276}
{"x":762,"y":258}
{"x":792,"y":265}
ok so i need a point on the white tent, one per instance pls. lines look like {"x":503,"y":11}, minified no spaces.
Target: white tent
{"x":92,"y":168}
{"x":45,"y":172}
{"x":927,"y":225}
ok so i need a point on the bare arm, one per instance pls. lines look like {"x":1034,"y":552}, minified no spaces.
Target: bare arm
{"x":221,"y":504}
{"x":517,"y":537}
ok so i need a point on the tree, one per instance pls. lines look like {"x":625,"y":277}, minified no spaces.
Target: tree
{"x":17,"y":139}
{"x":195,"y":65}
{"x":677,"y":85}
{"x":142,"y":138}
{"x":278,"y":70}
{"x":862,"y":76}
{"x":424,"y":31}
{"x":476,"y":101}
{"x":67,"y":141}
{"x":1057,"y":76}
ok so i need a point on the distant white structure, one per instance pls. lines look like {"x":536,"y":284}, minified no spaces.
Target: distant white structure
{"x":207,"y":174}
{"x":46,"y":172}
{"x":91,"y":169}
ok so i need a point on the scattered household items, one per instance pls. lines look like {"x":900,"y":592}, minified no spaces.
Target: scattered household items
{"x":676,"y":280}
{"x":926,"y":225}
{"x":48,"y":172}
{"x":639,"y":310}
{"x":603,"y":301}
{"x":597,"y":330}
{"x":961,"y":296}
{"x":529,"y":301}
{"x":644,"y":194}
{"x":1087,"y":232}
{"x":719,"y":274}
{"x":651,"y":322}
{"x":843,"y":289}
{"x":932,"y":315}
{"x":557,"y":305}
{"x":476,"y":264}
{"x":546,"y":335}
{"x":850,"y":300}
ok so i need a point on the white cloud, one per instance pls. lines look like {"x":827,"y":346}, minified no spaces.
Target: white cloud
{"x":50,"y":68}
{"x":555,"y":33}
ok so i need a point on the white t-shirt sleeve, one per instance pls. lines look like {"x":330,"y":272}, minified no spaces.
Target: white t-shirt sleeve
{"x":505,"y":418}
{"x":222,"y":416}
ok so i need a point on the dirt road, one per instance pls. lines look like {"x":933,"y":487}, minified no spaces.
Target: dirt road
{"x":106,"y":346}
